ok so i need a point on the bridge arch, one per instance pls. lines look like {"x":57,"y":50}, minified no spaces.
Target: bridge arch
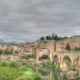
{"x":77,"y":60}
{"x":66,"y":59}
{"x":55,"y":59}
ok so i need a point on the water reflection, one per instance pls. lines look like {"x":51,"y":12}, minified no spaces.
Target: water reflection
{"x":47,"y":74}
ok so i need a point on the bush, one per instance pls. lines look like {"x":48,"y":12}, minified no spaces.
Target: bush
{"x":37,"y":78}
{"x":6,"y":52}
{"x":12,"y":70}
{"x":68,"y":47}
{"x":77,"y":49}
{"x":1,"y":51}
{"x":4,"y":63}
{"x":28,"y":56}
{"x":13,"y":64}
{"x":42,"y":38}
{"x":44,"y":57}
{"x":67,"y":59}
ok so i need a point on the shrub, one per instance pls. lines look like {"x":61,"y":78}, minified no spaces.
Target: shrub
{"x":6,"y":52}
{"x":77,"y":49}
{"x":28,"y":56}
{"x":42,"y":38}
{"x":1,"y":51}
{"x":13,"y":64}
{"x":4,"y":63}
{"x":12,"y":70}
{"x":37,"y":78}
{"x":68,"y":47}
{"x":44,"y":57}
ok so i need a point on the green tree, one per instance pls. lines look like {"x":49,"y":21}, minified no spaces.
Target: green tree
{"x":8,"y":51}
{"x":53,"y":36}
{"x":68,"y":47}
{"x":1,"y":51}
{"x":44,"y":57}
{"x":67,"y":59}
{"x":48,"y":38}
{"x":42,"y":38}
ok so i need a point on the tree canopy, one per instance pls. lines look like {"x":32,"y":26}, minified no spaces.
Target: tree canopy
{"x":52,"y":37}
{"x":68,"y":47}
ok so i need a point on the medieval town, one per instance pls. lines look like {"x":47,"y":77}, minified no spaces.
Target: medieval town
{"x":65,"y":53}
{"x":48,"y":48}
{"x":39,"y":39}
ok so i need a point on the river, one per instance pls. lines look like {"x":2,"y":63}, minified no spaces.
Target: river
{"x":46,"y":74}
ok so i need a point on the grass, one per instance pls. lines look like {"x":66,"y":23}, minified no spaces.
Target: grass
{"x":12,"y":70}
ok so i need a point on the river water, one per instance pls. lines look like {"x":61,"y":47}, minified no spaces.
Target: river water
{"x":52,"y":75}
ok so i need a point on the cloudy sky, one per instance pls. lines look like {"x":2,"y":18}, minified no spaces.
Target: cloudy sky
{"x":27,"y":20}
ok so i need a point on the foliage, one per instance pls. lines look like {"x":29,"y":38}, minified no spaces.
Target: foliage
{"x":67,"y":59}
{"x":53,"y":37}
{"x":77,"y":49}
{"x":44,"y":57}
{"x":68,"y":47}
{"x":42,"y":38}
{"x":48,"y":37}
{"x":8,"y":51}
{"x":50,"y":66}
{"x":28,"y":56}
{"x":12,"y":70}
{"x":1,"y":51}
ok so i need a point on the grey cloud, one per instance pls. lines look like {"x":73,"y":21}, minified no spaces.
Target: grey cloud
{"x":29,"y":19}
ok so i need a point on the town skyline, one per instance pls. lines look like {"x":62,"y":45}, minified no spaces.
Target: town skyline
{"x":42,"y":37}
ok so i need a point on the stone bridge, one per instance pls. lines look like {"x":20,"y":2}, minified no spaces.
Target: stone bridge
{"x":63,"y":56}
{"x":60,"y":56}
